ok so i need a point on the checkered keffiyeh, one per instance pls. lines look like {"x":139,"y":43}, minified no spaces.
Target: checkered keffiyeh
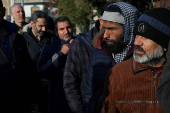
{"x":131,"y":14}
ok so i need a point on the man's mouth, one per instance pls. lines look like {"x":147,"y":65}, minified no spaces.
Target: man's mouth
{"x":139,"y":51}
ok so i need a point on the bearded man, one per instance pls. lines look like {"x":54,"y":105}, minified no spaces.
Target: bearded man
{"x":131,"y":85}
{"x":118,"y":21}
{"x":37,"y":36}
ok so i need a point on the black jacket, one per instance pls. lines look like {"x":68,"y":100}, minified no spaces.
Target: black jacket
{"x":35,"y":46}
{"x":16,"y":74}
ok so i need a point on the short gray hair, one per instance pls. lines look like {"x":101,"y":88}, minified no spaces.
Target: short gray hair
{"x":12,"y":7}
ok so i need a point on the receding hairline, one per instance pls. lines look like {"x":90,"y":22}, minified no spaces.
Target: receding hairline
{"x":12,"y":7}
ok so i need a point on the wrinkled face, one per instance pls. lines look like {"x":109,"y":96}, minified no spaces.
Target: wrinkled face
{"x":40,"y":26}
{"x":64,"y":30}
{"x":113,"y":36}
{"x":147,"y":51}
{"x":18,"y":14}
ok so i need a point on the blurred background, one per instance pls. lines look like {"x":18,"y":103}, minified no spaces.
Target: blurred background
{"x":82,"y":13}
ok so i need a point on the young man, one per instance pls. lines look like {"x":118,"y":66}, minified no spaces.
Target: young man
{"x":118,"y":20}
{"x":18,"y":14}
{"x":52,"y":62}
{"x":15,"y":69}
{"x":131,"y":85}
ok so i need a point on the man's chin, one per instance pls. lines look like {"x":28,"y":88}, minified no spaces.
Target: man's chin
{"x":67,"y":38}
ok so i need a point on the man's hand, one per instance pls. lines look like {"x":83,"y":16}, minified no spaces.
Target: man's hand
{"x":65,"y":48}
{"x":70,"y":41}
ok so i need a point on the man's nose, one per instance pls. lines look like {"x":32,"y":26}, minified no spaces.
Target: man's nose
{"x":106,"y":34}
{"x":43,"y":28}
{"x":66,"y":31}
{"x":138,"y":40}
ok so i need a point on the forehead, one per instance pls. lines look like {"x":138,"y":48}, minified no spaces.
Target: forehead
{"x":110,"y":24}
{"x":17,"y":7}
{"x":63,"y":24}
{"x":41,"y":21}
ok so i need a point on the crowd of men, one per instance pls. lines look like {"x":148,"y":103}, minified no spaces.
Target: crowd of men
{"x":120,"y":66}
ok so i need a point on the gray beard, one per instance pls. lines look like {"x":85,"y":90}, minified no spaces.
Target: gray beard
{"x":153,"y":59}
{"x":37,"y":32}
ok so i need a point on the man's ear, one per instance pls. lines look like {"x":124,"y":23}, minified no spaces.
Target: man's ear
{"x":12,"y":15}
{"x":56,"y":32}
{"x":32,"y":23}
{"x":100,"y":20}
{"x":165,"y":49}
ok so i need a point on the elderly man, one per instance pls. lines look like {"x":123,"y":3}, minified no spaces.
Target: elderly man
{"x":18,"y":15}
{"x":131,"y":85}
{"x":118,"y":20}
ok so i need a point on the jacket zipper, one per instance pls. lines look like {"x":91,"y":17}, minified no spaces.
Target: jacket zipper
{"x":154,"y":90}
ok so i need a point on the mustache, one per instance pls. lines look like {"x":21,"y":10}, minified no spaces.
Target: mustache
{"x":67,"y":34}
{"x":107,"y":40}
{"x":139,"y":48}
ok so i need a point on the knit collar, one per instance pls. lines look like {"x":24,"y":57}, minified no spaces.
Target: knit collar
{"x":138,"y":67}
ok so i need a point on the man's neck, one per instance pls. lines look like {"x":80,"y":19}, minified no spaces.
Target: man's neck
{"x":38,"y":37}
{"x":20,"y":24}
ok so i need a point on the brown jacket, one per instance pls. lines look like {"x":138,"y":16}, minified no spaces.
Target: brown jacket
{"x":130,"y":87}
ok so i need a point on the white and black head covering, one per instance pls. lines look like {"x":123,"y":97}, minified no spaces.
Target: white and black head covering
{"x":128,"y":18}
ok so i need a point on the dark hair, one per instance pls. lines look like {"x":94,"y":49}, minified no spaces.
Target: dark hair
{"x":38,"y":14}
{"x":113,"y":8}
{"x":1,"y":4}
{"x":105,"y":7}
{"x":61,"y":19}
{"x":50,"y":25}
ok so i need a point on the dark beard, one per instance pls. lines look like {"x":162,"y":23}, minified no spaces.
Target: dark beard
{"x":116,"y":47}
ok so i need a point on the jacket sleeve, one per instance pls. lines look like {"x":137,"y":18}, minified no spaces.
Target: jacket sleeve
{"x":49,"y":61}
{"x":163,"y":91}
{"x":88,"y":87}
{"x":108,"y":95}
{"x":72,"y":79}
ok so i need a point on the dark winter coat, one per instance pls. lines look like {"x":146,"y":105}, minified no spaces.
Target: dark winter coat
{"x":16,"y":73}
{"x":100,"y":62}
{"x":54,"y":72}
{"x":76,"y":69}
{"x":35,"y":46}
{"x":163,"y":91}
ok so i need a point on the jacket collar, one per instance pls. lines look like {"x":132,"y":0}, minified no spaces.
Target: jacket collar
{"x":10,"y":27}
{"x":138,"y":67}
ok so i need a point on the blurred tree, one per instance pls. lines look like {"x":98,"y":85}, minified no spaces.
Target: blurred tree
{"x":77,"y":10}
{"x":81,"y":13}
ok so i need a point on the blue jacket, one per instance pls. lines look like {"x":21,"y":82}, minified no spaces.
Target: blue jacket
{"x":76,"y":69}
{"x":53,"y":70}
{"x":99,"y":64}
